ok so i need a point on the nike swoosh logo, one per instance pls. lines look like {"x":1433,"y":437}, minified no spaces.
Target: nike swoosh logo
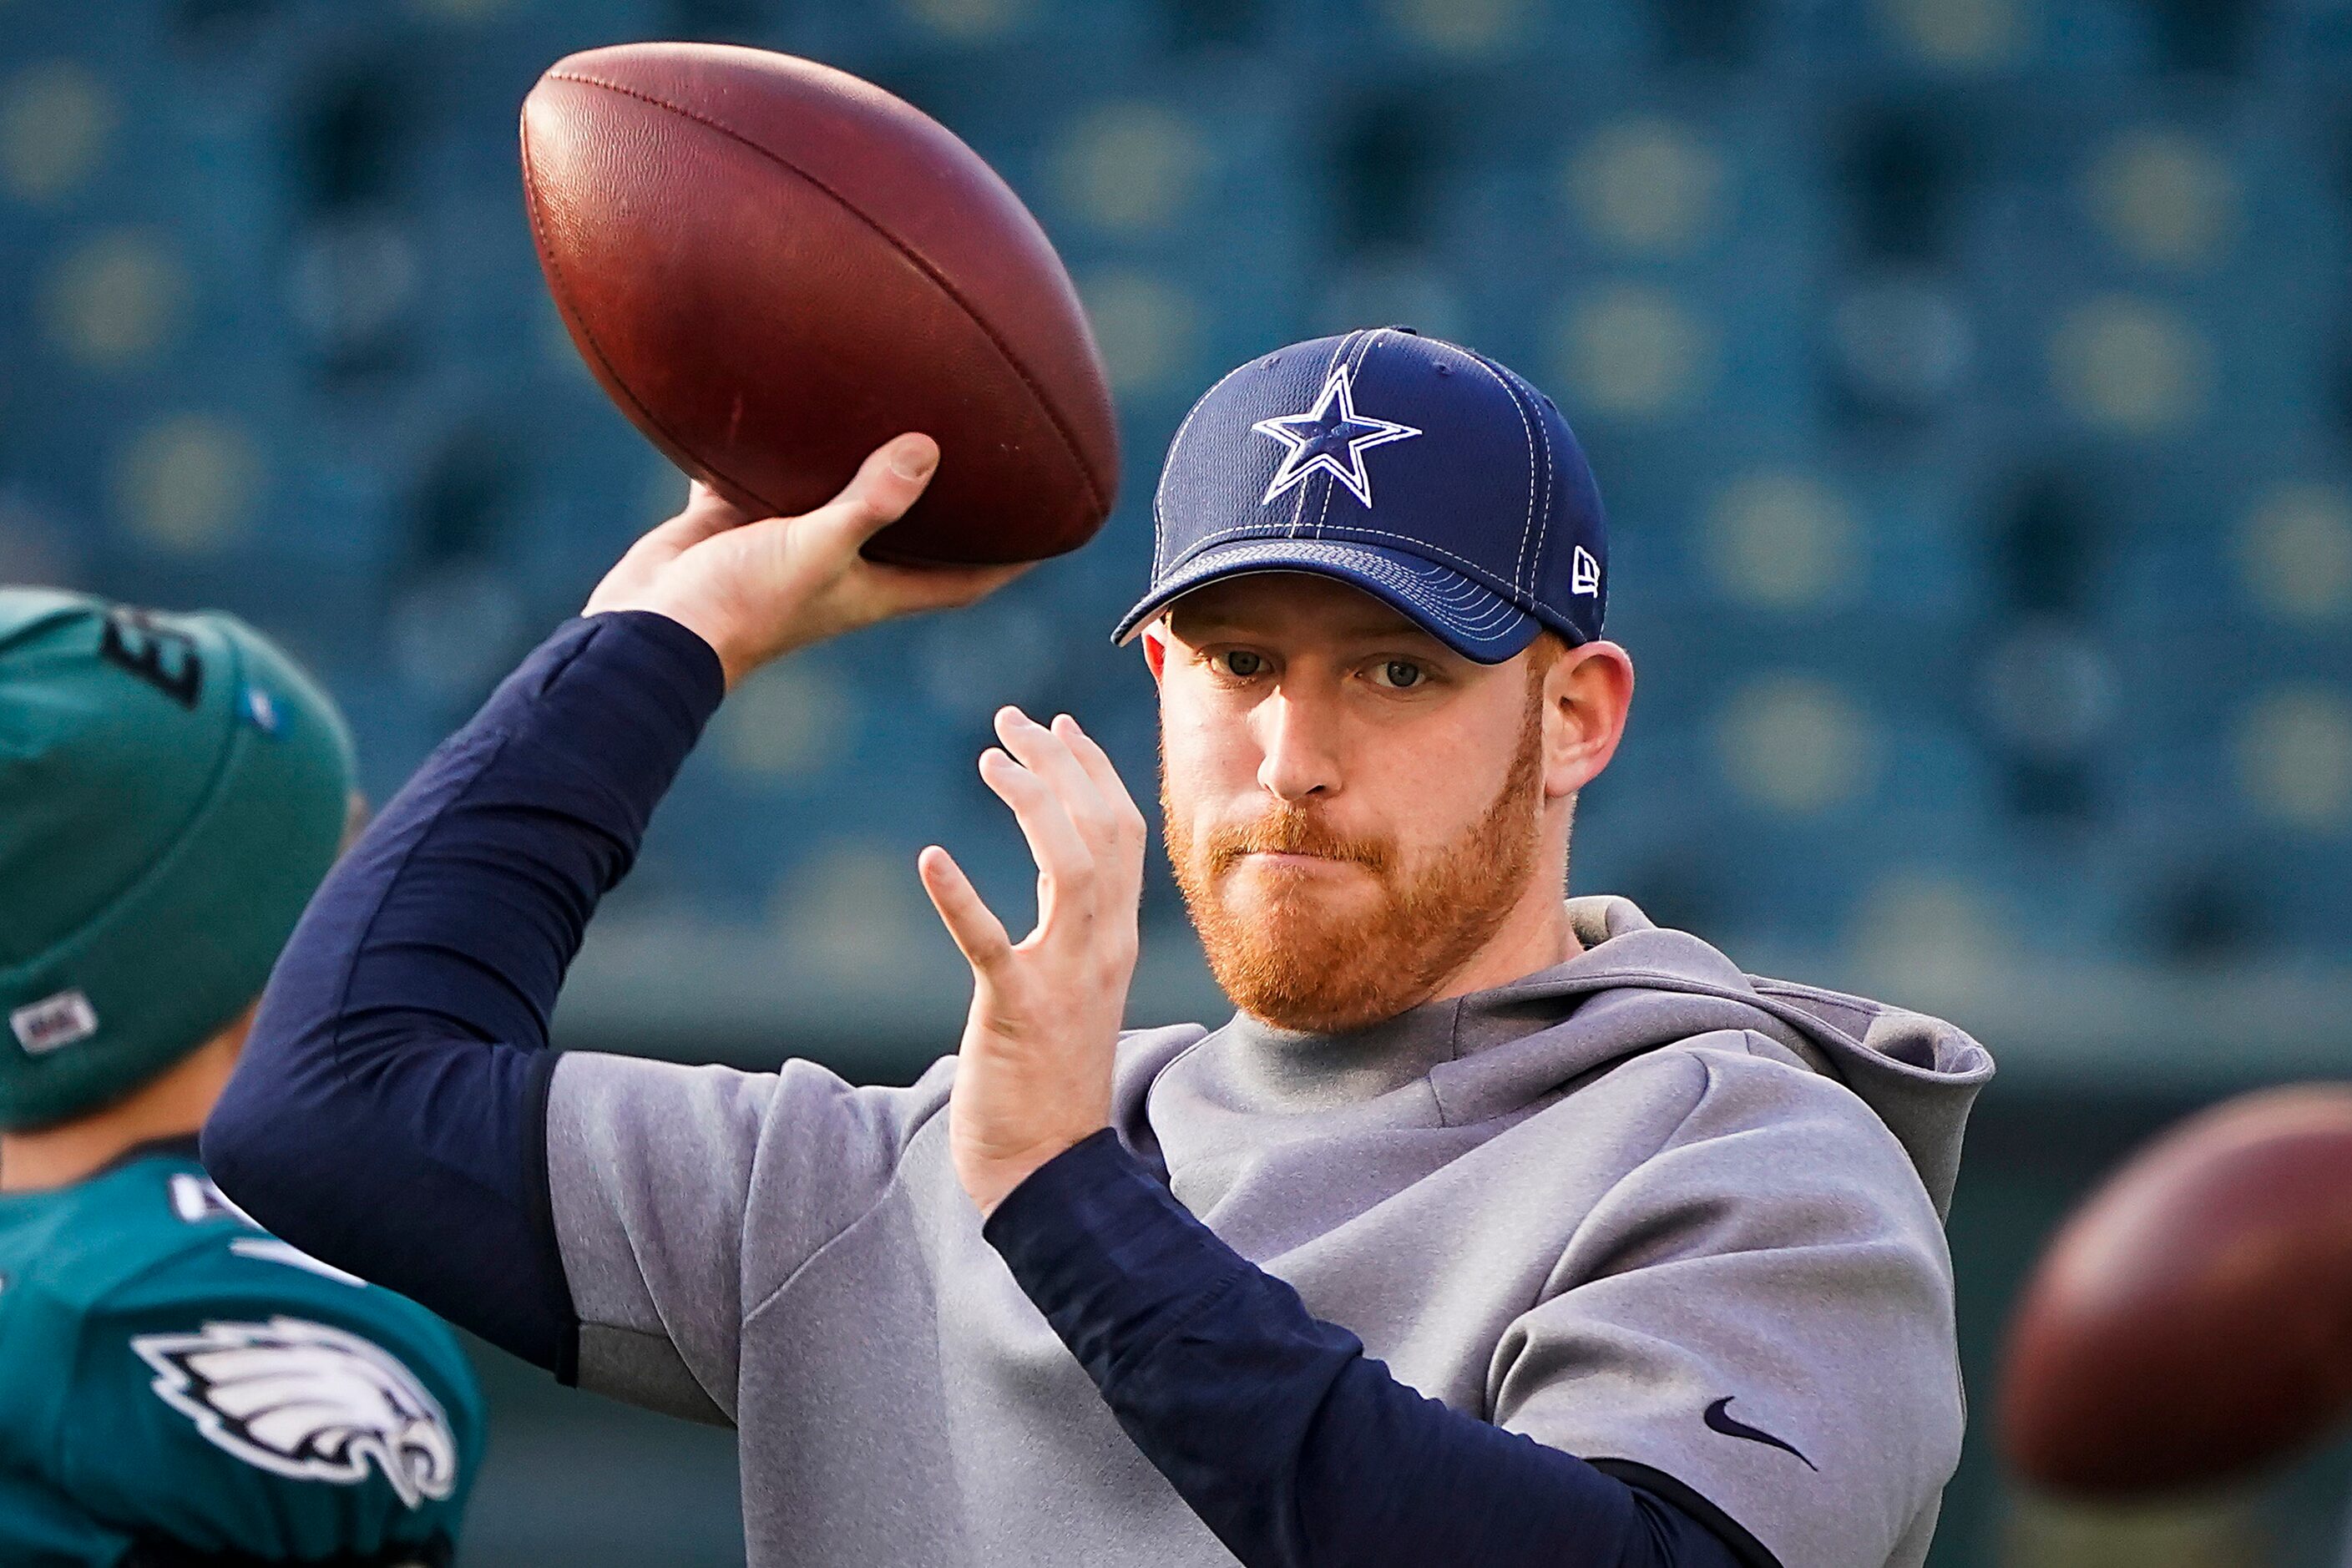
{"x":1719,"y":1419}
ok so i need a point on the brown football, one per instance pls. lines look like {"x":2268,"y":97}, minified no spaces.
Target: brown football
{"x":2193,"y":1320}
{"x":773,"y":268}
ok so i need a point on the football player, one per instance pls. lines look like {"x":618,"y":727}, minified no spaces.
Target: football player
{"x":176,"y":1385}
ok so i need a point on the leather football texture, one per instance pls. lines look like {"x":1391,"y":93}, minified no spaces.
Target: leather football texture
{"x":773,"y":267}
{"x":2192,"y":1322}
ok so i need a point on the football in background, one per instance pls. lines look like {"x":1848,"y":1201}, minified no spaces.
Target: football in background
{"x":2192,"y":1322}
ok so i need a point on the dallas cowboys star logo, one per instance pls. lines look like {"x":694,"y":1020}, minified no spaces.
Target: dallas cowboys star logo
{"x":1331,"y":436}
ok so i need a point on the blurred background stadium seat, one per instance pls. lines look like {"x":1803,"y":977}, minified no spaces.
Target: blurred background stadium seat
{"x":1971,"y":382}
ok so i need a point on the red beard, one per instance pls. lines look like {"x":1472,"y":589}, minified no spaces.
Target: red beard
{"x":1290,"y":959}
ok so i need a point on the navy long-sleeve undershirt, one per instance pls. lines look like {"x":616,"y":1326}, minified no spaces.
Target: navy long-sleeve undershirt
{"x":389,"y":1116}
{"x":1290,"y":1442}
{"x":390,"y":1111}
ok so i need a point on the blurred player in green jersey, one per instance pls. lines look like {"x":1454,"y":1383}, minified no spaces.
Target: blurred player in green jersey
{"x":176,"y":1387}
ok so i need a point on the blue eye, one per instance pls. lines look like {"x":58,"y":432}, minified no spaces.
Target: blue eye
{"x":1401,"y":675}
{"x":1243,"y":663}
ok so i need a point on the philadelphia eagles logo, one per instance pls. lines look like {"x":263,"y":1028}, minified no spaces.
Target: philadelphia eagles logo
{"x":303,"y":1400}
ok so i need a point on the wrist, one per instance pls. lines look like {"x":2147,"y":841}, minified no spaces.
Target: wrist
{"x":733,"y":663}
{"x":988,"y":1182}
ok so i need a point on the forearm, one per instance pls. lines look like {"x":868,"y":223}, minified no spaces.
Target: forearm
{"x":1297,"y":1449}
{"x":389,"y":1113}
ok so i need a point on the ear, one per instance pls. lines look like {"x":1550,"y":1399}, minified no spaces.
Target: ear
{"x":1155,"y":649}
{"x":1586,"y":693}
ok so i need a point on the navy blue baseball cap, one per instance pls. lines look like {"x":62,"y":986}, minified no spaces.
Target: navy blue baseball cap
{"x":1426,"y":474}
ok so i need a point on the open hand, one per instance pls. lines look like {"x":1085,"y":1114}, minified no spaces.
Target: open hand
{"x":1034,"y":1075}
{"x":754,"y":588}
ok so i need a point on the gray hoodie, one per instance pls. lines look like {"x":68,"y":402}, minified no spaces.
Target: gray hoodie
{"x":1677,"y":1220}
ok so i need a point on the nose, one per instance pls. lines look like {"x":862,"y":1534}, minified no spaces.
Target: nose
{"x":1300,"y":759}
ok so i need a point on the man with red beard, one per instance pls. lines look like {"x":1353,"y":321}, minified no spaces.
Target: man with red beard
{"x":1494,"y":1228}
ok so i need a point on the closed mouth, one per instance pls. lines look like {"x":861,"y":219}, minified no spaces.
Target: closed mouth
{"x":1288,"y":858}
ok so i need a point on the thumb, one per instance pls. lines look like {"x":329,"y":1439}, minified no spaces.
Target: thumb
{"x":892,"y":474}
{"x":978,"y":933}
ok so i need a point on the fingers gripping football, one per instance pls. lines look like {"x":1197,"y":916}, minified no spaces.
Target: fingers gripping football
{"x":754,"y":588}
{"x":1034,"y":1072}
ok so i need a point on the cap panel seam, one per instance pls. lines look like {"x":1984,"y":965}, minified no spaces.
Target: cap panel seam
{"x":1298,"y":507}
{"x":1529,"y":527}
{"x":1356,"y":363}
{"x":1550,"y":495}
{"x":1158,"y":514}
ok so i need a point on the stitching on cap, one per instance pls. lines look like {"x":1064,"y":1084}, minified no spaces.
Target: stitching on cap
{"x":1355,"y":353}
{"x":1493,"y":612}
{"x":1480,"y":610}
{"x":1487,"y":628}
{"x":1355,"y":364}
{"x":1045,"y":404}
{"x":1418,"y":546}
{"x":1550,"y":495}
{"x":1552,"y":502}
{"x":1158,"y":516}
{"x":1529,"y":526}
{"x":1298,"y":507}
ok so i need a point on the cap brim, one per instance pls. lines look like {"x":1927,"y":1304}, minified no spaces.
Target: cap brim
{"x":1467,"y":616}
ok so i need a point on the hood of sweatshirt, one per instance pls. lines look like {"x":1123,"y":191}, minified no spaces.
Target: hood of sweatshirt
{"x":1635,"y":987}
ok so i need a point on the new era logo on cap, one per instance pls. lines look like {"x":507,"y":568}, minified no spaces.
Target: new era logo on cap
{"x":1488,"y":527}
{"x":53,"y":1022}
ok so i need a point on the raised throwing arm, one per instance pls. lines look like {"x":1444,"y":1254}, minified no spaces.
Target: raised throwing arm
{"x":389,"y":1115}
